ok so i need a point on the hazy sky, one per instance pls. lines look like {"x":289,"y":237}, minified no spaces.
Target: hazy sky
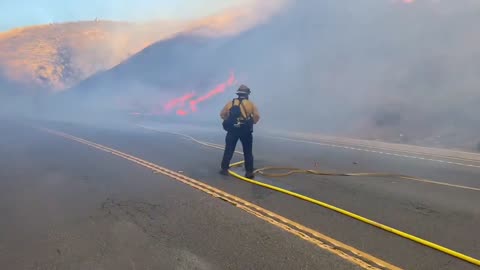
{"x":18,"y":13}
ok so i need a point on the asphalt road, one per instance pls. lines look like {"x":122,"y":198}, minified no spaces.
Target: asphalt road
{"x":65,"y":205}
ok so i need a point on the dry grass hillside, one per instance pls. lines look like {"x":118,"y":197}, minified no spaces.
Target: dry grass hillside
{"x":55,"y":57}
{"x":349,"y":69}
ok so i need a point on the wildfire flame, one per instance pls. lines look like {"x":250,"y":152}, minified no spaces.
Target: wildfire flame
{"x":217,"y":90}
{"x":180,"y":100}
{"x":179,"y":103}
{"x":181,"y":112}
{"x":404,"y":1}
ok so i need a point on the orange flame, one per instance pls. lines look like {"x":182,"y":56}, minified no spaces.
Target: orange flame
{"x":178,"y":103}
{"x":217,"y":90}
{"x":181,"y":112}
{"x":404,"y":1}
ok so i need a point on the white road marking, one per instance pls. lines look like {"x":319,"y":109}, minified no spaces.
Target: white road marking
{"x":377,"y":152}
{"x":217,"y":146}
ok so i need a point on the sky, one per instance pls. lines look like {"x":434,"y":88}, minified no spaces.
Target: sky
{"x":20,"y":13}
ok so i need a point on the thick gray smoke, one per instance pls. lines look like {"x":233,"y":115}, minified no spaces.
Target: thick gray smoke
{"x":371,"y":69}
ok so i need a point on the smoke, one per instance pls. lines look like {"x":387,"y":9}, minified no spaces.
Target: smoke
{"x":57,"y":56}
{"x":45,"y":60}
{"x":239,"y":18}
{"x":369,"y":69}
{"x":185,"y":104}
{"x":389,"y":70}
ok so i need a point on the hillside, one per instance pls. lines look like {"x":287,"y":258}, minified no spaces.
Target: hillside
{"x":57,"y":56}
{"x":353,"y":69}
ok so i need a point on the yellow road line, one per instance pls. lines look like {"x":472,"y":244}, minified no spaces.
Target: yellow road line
{"x":340,"y":249}
{"x":356,"y":216}
{"x":361,"y":218}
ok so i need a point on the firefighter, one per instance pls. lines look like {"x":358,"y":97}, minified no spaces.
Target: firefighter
{"x":239,"y":116}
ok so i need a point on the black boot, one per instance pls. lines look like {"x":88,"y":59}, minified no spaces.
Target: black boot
{"x":250,"y":175}
{"x":223,"y":172}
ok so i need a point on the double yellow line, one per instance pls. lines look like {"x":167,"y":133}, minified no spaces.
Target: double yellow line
{"x":357,"y":257}
{"x":342,"y":211}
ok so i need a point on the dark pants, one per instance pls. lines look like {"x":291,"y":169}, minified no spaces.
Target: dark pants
{"x":231,"y":142}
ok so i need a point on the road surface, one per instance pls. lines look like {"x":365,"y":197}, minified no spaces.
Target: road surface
{"x":69,"y":205}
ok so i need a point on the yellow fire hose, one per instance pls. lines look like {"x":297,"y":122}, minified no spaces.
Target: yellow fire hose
{"x":290,"y":171}
{"x":345,"y":212}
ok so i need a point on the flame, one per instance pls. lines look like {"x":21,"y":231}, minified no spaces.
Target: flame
{"x":180,"y":100}
{"x":179,"y":103}
{"x":217,"y":90}
{"x":404,"y":1}
{"x":181,"y":112}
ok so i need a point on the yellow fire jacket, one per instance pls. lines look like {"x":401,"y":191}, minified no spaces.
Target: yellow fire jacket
{"x":247,"y":108}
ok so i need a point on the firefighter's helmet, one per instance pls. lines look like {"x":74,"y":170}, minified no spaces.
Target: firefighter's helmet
{"x":243,"y":90}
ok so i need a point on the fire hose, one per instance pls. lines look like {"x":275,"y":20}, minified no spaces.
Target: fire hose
{"x":292,"y":170}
